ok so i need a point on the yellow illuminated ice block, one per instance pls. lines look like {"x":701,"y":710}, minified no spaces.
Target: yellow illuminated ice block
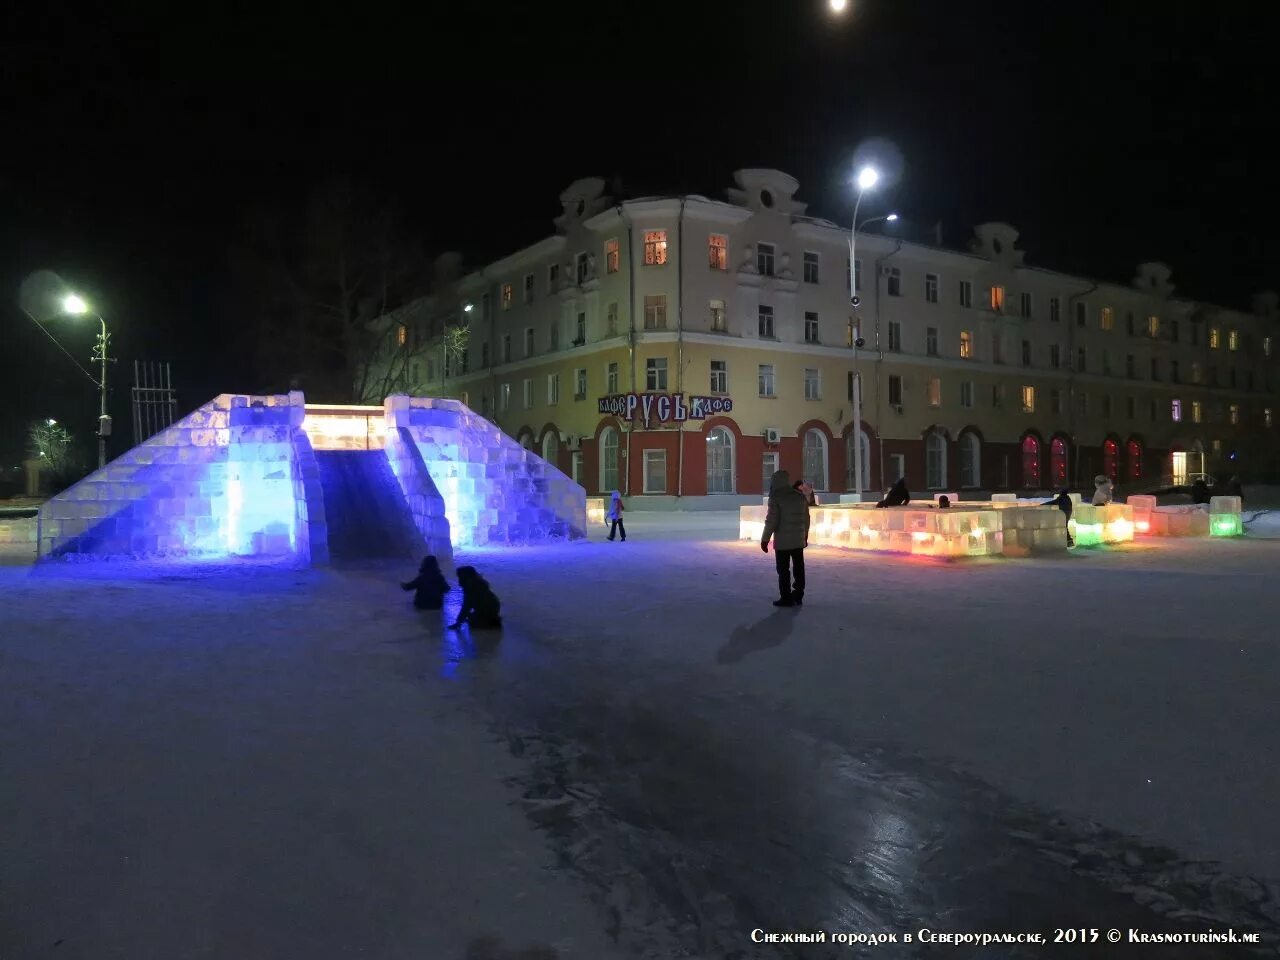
{"x":1106,"y":523}
{"x":926,"y":532}
{"x":595,"y":509}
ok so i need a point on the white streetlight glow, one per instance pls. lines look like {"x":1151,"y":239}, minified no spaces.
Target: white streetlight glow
{"x":892,"y":217}
{"x":837,"y":6}
{"x":74,"y":305}
{"x":468,"y":308}
{"x":867,"y":178}
{"x":52,"y":422}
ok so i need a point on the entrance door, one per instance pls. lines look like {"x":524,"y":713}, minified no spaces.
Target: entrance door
{"x":769,"y":468}
{"x":1179,"y":468}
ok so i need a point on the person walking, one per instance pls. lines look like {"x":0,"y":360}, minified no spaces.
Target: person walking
{"x":787,"y":524}
{"x":614,"y":516}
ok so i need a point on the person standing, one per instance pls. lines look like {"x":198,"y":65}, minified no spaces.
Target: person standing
{"x":614,"y":516}
{"x":787,"y":524}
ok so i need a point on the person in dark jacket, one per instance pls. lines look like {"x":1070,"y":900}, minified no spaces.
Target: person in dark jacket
{"x":430,"y":584}
{"x":1200,"y":492}
{"x":480,"y":606}
{"x":1063,"y":502}
{"x":898,"y":495}
{"x":1235,"y":489}
{"x":787,"y":523}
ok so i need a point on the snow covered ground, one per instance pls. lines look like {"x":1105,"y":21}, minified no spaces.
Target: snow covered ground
{"x":204,"y":761}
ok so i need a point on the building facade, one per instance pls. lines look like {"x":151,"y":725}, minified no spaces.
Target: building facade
{"x":687,"y":347}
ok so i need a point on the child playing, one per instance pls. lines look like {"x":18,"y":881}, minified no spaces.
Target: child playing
{"x":480,"y":607}
{"x":430,"y":585}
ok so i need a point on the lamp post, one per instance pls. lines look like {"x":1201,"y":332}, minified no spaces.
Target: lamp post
{"x":75,"y":306}
{"x":866,"y":180}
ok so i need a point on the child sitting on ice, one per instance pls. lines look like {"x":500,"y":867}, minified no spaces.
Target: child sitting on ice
{"x":430,"y":584}
{"x":480,"y":606}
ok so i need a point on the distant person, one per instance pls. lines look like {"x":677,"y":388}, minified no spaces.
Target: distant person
{"x":787,"y":523}
{"x":944,"y":502}
{"x":1235,"y":489}
{"x":806,"y":490}
{"x":480,"y":606}
{"x":430,"y":584}
{"x":1102,"y":490}
{"x":1063,"y":502}
{"x":1200,"y":492}
{"x":614,"y":517}
{"x":898,"y":495}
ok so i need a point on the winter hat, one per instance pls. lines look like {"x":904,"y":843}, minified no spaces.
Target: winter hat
{"x":1101,"y":478}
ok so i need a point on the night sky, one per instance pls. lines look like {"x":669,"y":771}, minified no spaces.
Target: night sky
{"x":139,"y":144}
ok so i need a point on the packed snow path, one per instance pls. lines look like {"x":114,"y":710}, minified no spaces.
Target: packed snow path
{"x":653,"y":761}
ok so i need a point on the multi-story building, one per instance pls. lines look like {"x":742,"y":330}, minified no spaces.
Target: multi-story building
{"x":682,"y":346}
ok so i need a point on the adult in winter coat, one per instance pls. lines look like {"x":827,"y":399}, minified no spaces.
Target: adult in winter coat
{"x":1103,"y":490}
{"x":787,"y":523}
{"x":1063,"y":502}
{"x":614,"y":517}
{"x":430,"y":584}
{"x":480,"y":606}
{"x":898,"y":495}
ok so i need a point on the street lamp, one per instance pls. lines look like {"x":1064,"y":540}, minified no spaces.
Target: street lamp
{"x":74,"y":305}
{"x":866,"y":180}
{"x":838,"y":6}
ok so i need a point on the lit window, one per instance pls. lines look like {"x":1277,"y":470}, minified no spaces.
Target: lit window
{"x":1233,"y":340}
{"x":718,"y":320}
{"x":1107,"y":319}
{"x":997,"y":299}
{"x":1214,"y":338}
{"x":1195,"y":411}
{"x":1234,"y":412}
{"x":966,"y":344}
{"x":810,"y":267}
{"x":655,"y":311}
{"x":719,"y":376}
{"x":718,"y":251}
{"x":935,"y":391}
{"x":764,"y":259}
{"x":1175,"y":411}
{"x":655,"y":374}
{"x":812,"y":384}
{"x":1153,"y":327}
{"x":766,"y":380}
{"x":1028,"y":399}
{"x":506,"y":296}
{"x":655,"y":247}
{"x":931,"y":288}
{"x":402,"y":334}
{"x":611,"y":256}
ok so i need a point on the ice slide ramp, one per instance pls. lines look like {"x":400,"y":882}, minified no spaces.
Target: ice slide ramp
{"x":364,"y":507}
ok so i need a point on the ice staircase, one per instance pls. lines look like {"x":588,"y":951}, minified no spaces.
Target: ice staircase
{"x":364,"y":507}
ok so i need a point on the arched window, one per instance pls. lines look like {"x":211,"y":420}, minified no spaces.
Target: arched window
{"x":1058,"y":462}
{"x":608,"y":460}
{"x":970,"y":460}
{"x":1111,"y":460}
{"x":815,"y":459}
{"x":720,"y":472}
{"x":865,"y":442}
{"x":550,"y":447}
{"x":1134,"y":450}
{"x":935,"y":461}
{"x":1030,"y":462}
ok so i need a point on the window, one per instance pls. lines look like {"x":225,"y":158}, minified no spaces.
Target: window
{"x":1175,"y":410}
{"x":402,"y":335}
{"x":655,"y":374}
{"x":970,"y":460}
{"x":1082,"y":358}
{"x":966,"y":393}
{"x":815,"y":459}
{"x":526,"y":390}
{"x":810,"y":327}
{"x":1196,"y":411}
{"x":765,"y":319}
{"x":1174,"y":375}
{"x":1024,"y":306}
{"x":611,"y":379}
{"x":1055,"y":310}
{"x":966,"y":344}
{"x":764,"y":259}
{"x":1131,"y":408}
{"x":849,"y":387}
{"x":931,"y":341}
{"x":1107,"y":319}
{"x":1214,"y":338}
{"x":812,"y":383}
{"x":1266,"y":417}
{"x":997,"y":347}
{"x":1131,"y":366}
{"x":895,"y":390}
{"x":719,"y":376}
{"x":580,"y":383}
{"x":935,"y":461}
{"x":810,"y":267}
{"x":553,"y":278}
{"x":966,"y":293}
{"x":506,"y":296}
{"x":553,"y":388}
{"x":1195,"y":335}
{"x":528,"y":341}
{"x":718,"y":319}
{"x":504,"y":397}
{"x":997,"y":299}
{"x":895,"y":335}
{"x":1030,"y":462}
{"x":1106,"y":362}
{"x":1055,"y":400}
{"x":1106,"y":405}
{"x":1173,"y":331}
{"x":553,"y":338}
{"x":893,"y":285}
{"x":718,"y":251}
{"x":1153,"y":327}
{"x":1155,"y":368}
{"x":1082,"y":312}
{"x":997,"y":395}
{"x":1026,"y":353}
{"x":931,"y":288}
{"x":611,"y":256}
{"x":1055,"y":356}
{"x":655,"y":471}
{"x":1266,"y":345}
{"x":1082,"y":404}
{"x":765,"y":380}
{"x":580,"y":330}
{"x":935,"y":391}
{"x":655,"y":311}
{"x":611,"y":320}
{"x":608,"y":459}
{"x":528,"y":288}
{"x":655,"y":248}
{"x":1028,"y":399}
{"x":1233,"y":340}
{"x":1155,"y":409}
{"x":720,"y":472}
{"x":484,"y":356}
{"x":1234,"y":413}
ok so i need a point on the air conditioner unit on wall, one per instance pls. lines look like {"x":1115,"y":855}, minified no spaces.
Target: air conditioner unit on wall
{"x":771,"y":435}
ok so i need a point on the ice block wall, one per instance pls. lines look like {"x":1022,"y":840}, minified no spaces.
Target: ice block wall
{"x":928,"y":531}
{"x":595,"y":510}
{"x":425,"y":502}
{"x":494,"y":490}
{"x":223,"y":481}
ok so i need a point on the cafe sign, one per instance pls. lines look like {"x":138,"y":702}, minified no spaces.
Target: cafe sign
{"x":663,"y":407}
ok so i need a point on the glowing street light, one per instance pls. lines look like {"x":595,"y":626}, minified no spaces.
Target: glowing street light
{"x":838,"y":6}
{"x":868,"y":177}
{"x":467,"y":308}
{"x":76,"y":306}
